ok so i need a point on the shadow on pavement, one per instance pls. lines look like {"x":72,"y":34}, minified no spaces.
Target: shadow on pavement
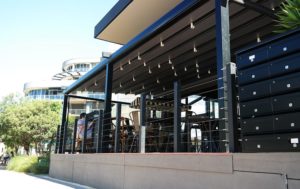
{"x":62,"y":182}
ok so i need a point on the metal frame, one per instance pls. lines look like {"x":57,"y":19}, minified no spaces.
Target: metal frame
{"x":117,"y":129}
{"x":223,"y":58}
{"x":63,"y":126}
{"x":142,"y":134}
{"x":107,"y":106}
{"x":177,"y":117}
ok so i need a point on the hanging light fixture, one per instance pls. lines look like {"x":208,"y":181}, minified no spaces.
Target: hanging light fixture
{"x":258,"y":38}
{"x":173,"y":67}
{"x":145,"y":63}
{"x":197,"y":70}
{"x":157,"y":81}
{"x":121,"y":85}
{"x":129,"y":62}
{"x":133,"y":78}
{"x":158,"y":65}
{"x":161,"y":43}
{"x":164,"y":88}
{"x":192,"y":26}
{"x":143,"y":87}
{"x":96,"y":84}
{"x":194,"y":48}
{"x":149,"y":71}
{"x":175,"y":74}
{"x":198,"y":76}
{"x":197,"y":65}
{"x":121,"y":68}
{"x":170,"y":61}
{"x":209,"y":71}
{"x":185,"y":68}
{"x":139,"y":57}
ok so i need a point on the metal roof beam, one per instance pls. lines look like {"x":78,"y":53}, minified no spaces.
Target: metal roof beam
{"x":256,"y":7}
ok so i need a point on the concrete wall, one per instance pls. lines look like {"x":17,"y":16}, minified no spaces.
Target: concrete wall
{"x":147,"y":171}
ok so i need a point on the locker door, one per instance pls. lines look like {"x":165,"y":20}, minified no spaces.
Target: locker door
{"x":259,"y":125}
{"x":255,"y":90}
{"x":254,"y":74}
{"x":285,"y":65}
{"x":286,"y":84}
{"x":252,"y":57}
{"x":287,"y":122}
{"x":286,"y":103}
{"x":285,"y":46}
{"x":256,"y":108}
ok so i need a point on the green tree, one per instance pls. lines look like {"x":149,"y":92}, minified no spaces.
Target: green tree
{"x":288,"y":16}
{"x":27,"y":123}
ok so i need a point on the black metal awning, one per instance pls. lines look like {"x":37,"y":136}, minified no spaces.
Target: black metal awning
{"x":181,"y":45}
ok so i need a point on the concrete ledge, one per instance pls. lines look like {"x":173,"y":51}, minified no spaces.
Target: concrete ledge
{"x":177,"y":171}
{"x":221,"y":163}
{"x":278,"y":163}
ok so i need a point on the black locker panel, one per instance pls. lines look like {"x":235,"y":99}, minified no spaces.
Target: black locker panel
{"x":256,"y":108}
{"x":285,"y":65}
{"x":287,"y":142}
{"x":257,"y":125}
{"x":287,"y":122}
{"x":284,"y":46}
{"x":286,"y":84}
{"x":286,"y":103}
{"x":251,"y":75}
{"x":269,"y":94}
{"x":259,"y":143}
{"x":254,"y":91}
{"x":252,"y":57}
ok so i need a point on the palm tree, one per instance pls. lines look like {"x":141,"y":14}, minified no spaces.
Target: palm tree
{"x":288,"y":16}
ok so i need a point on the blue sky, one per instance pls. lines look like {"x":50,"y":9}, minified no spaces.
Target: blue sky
{"x":37,"y":36}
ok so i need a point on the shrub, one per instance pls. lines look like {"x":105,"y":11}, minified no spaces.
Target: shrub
{"x":29,"y":164}
{"x":288,"y":16}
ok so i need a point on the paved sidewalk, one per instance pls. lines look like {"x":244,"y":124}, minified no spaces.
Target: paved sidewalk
{"x":11,"y":179}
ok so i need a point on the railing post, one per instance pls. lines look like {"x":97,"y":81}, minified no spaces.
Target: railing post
{"x":142,"y":134}
{"x":100,"y":132}
{"x":177,"y":117}
{"x":107,"y":108}
{"x":63,"y":127}
{"x":225,"y":97}
{"x":74,"y":136}
{"x":117,"y":129}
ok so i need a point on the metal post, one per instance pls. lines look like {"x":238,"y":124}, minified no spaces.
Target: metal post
{"x":74,"y":136}
{"x":142,"y":134}
{"x":106,"y":144}
{"x":63,"y":125}
{"x":223,"y":59}
{"x":57,"y":139}
{"x":117,"y":129}
{"x":232,"y":108}
{"x":177,"y":116}
{"x":100,"y":132}
{"x":83,"y":147}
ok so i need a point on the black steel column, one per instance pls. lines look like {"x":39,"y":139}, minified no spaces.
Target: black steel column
{"x":142,"y":134}
{"x":57,"y":139}
{"x":83,"y":147}
{"x":63,"y":125}
{"x":100,"y":132}
{"x":177,"y":117}
{"x":224,"y":59}
{"x":74,"y":137}
{"x":117,"y":129}
{"x":232,"y":108}
{"x":107,"y":109}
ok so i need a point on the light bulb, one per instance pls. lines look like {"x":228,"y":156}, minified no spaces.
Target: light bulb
{"x":185,"y":68}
